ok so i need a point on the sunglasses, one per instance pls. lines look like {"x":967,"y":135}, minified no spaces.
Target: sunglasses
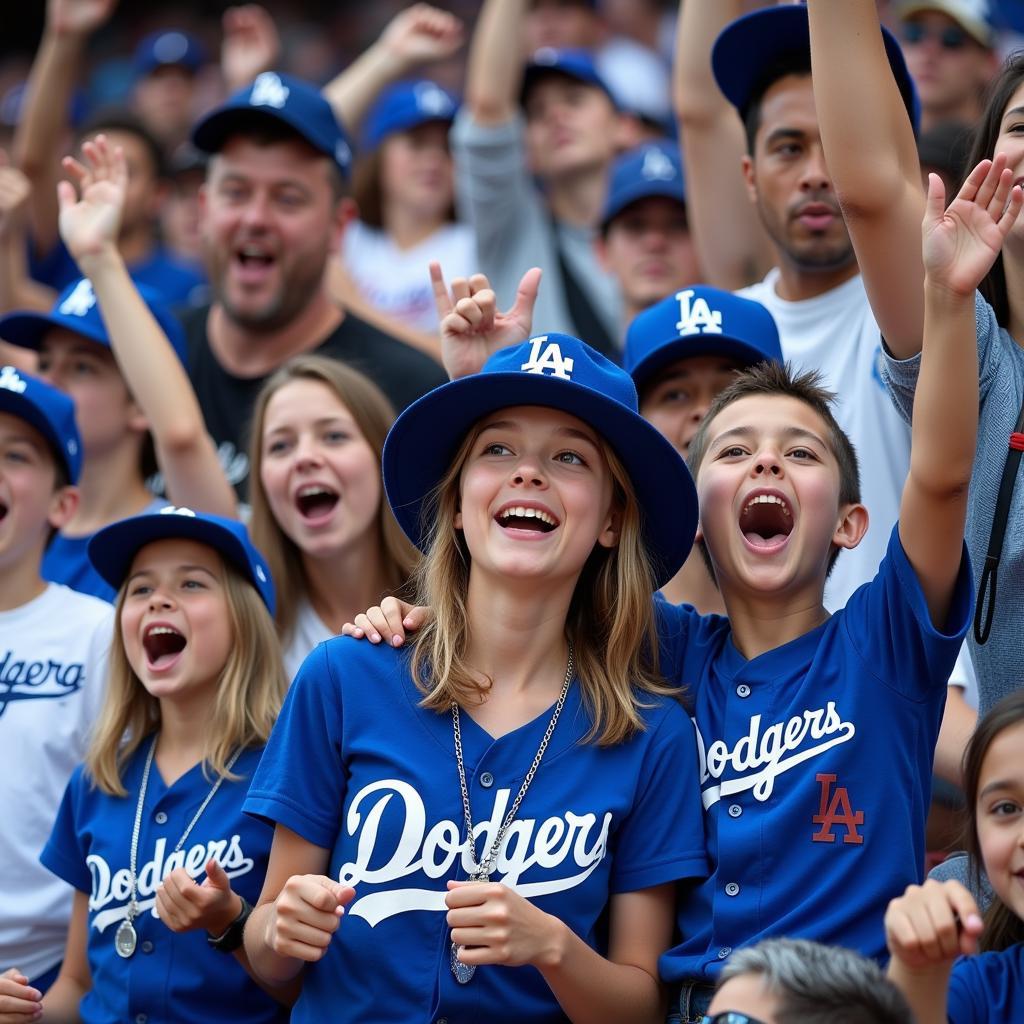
{"x":952,"y":37}
{"x":730,"y":1017}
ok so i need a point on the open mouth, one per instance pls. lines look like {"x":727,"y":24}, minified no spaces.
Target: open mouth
{"x":316,"y":501}
{"x":3,"y":511}
{"x":518,"y":517}
{"x":766,"y":520}
{"x":253,"y":259}
{"x":162,"y":645}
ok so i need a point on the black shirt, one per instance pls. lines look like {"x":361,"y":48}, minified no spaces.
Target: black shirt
{"x":401,"y":372}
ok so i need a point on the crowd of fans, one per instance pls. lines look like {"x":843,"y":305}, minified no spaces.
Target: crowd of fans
{"x":393,"y":395}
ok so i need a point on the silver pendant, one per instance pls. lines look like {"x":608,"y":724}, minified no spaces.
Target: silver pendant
{"x":463,"y":972}
{"x":125,"y":939}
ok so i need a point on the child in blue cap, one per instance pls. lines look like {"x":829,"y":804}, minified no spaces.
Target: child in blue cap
{"x":53,"y":645}
{"x":118,"y":353}
{"x":195,"y":684}
{"x":502,"y":812}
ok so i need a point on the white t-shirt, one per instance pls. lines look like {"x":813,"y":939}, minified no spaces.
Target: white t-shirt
{"x":397,"y":281}
{"x":53,"y":662}
{"x":308,"y":631}
{"x":836,"y":334}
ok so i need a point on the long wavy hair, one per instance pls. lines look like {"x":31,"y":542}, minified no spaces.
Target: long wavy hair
{"x":1003,"y":928}
{"x":610,"y":621}
{"x":373,"y":415}
{"x":250,"y":690}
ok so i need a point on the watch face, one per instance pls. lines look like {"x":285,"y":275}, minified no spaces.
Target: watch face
{"x":232,"y":938}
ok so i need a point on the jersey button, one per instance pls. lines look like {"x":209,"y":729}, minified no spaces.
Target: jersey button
{"x":724,"y":952}
{"x":735,"y":810}
{"x":147,"y":946}
{"x":486,"y":780}
{"x":732,"y":889}
{"x":441,"y":1020}
{"x":742,"y":691}
{"x":160,"y":818}
{"x":140,"y":1018}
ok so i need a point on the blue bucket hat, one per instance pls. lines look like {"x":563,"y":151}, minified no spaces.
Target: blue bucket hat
{"x":76,"y":309}
{"x":578,"y":64}
{"x":50,"y":411}
{"x":558,"y":372}
{"x":652,"y":169}
{"x":407,"y":105}
{"x":112,"y":549}
{"x":282,"y":99}
{"x":699,"y":321}
{"x":168,"y":49}
{"x":747,"y":49}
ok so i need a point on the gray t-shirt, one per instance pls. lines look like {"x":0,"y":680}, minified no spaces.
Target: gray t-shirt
{"x":514,"y":231}
{"x":998,"y":663}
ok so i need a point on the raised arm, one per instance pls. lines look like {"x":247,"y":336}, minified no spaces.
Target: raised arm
{"x":44,"y":123}
{"x":495,"y":68}
{"x":733,"y":247}
{"x":419,"y":35}
{"x":152,"y":371}
{"x":250,"y":45}
{"x":872,"y":159}
{"x":959,"y":246}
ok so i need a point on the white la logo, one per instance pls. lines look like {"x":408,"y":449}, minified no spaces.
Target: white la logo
{"x":657,"y":166}
{"x":172,"y":510}
{"x":698,"y":318}
{"x":10,"y":381}
{"x":268,"y":91}
{"x":80,"y":301}
{"x":432,"y":100}
{"x":551,"y":359}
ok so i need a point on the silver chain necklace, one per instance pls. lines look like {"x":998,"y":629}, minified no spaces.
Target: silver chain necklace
{"x":126,"y":939}
{"x":481,"y":870}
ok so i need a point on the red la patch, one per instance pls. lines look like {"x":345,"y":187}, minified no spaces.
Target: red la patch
{"x":835,"y":809}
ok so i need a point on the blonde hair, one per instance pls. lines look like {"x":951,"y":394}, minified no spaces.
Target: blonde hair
{"x":250,"y":691}
{"x":610,"y":622}
{"x":373,"y":415}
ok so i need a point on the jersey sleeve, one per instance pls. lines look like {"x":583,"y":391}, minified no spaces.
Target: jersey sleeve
{"x":672,"y":623}
{"x":966,"y":1000}
{"x":888,"y":623}
{"x":65,"y":853}
{"x":300,"y":781}
{"x":662,"y":838}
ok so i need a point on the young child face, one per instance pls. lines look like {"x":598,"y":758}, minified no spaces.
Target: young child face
{"x":175,"y":620}
{"x":321,"y":476}
{"x":30,"y":503}
{"x":536,"y":495}
{"x":999,"y":808}
{"x":679,"y":397}
{"x":768,"y":488}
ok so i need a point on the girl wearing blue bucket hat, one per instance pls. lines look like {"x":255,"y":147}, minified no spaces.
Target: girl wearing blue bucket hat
{"x":150,"y":833}
{"x":491,"y":823}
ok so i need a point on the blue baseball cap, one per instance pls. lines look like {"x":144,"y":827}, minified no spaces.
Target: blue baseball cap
{"x":407,"y":105}
{"x":699,"y":321}
{"x":50,"y":411}
{"x":578,"y":64}
{"x":76,"y":309}
{"x":559,"y":372}
{"x":285,"y":100}
{"x":652,"y":169}
{"x":748,"y":48}
{"x":112,"y":549}
{"x":168,"y":49}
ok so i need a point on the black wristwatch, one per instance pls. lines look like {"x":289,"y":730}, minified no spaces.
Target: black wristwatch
{"x":231,"y":939}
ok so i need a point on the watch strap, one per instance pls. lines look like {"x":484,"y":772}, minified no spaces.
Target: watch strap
{"x":231,"y":938}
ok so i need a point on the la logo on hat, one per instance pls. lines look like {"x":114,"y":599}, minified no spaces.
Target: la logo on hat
{"x":11,"y":381}
{"x":432,"y":100}
{"x":172,"y":510}
{"x":550,"y":359}
{"x":80,"y":301}
{"x":696,"y":317}
{"x":269,"y":91}
{"x":657,"y":166}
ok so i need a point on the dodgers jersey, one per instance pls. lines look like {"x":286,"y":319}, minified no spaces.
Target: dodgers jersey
{"x":172,"y":978}
{"x":987,"y":989}
{"x":356,"y":766}
{"x":815,"y":768}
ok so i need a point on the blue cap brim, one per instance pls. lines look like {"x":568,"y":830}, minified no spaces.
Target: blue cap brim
{"x":18,"y":405}
{"x":642,"y":190}
{"x":425,"y":438}
{"x":27,"y":330}
{"x":694,"y":346}
{"x":113,"y":549}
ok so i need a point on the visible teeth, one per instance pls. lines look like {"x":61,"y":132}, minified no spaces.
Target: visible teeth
{"x":252,"y":250}
{"x":521,"y":512}
{"x":311,"y":489}
{"x":768,"y":500}
{"x":157,"y":630}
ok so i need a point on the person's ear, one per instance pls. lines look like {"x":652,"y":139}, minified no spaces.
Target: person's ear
{"x":749,"y":177}
{"x":852,"y":526}
{"x":345,"y":212}
{"x":63,"y":505}
{"x":612,"y":529}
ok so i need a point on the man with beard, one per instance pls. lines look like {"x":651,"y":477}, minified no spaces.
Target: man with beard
{"x":761,"y":64}
{"x":273,"y":209}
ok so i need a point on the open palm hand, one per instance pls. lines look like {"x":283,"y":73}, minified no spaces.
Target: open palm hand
{"x":89,"y":223}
